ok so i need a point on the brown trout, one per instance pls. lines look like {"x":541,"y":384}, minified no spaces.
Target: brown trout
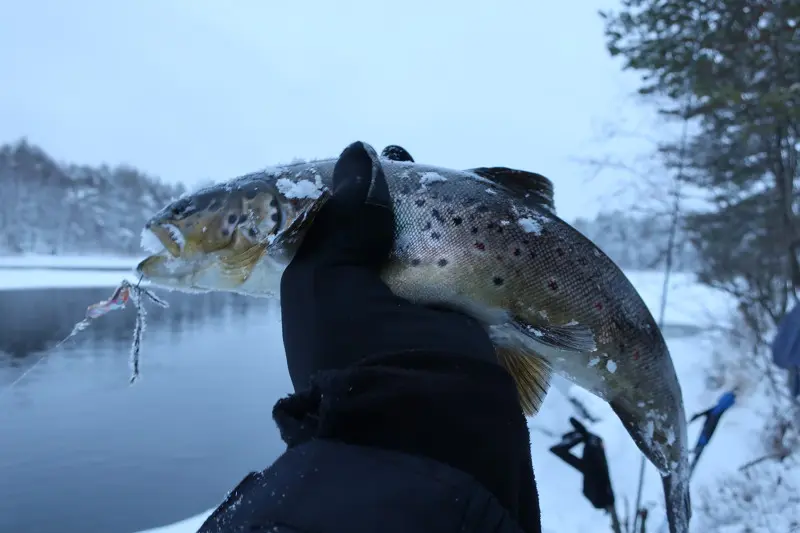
{"x":485,"y":241}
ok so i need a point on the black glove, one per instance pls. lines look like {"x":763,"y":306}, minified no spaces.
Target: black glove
{"x":335,"y":308}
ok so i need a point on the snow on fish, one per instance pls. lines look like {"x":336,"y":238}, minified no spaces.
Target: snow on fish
{"x":551,"y":300}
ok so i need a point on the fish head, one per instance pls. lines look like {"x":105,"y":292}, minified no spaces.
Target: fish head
{"x":218,"y":237}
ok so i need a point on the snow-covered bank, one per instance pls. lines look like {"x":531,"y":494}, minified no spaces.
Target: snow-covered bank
{"x":38,"y":278}
{"x":90,"y":262}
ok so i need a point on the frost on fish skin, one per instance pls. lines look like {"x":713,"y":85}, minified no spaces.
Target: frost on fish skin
{"x":530,"y":225}
{"x":594,"y":361}
{"x":300,"y":189}
{"x":427,"y":178}
{"x":150,"y":243}
{"x":611,"y":366}
{"x":491,"y":191}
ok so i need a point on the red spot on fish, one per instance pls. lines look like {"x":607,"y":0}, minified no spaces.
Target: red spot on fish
{"x":552,"y":284}
{"x":598,"y":306}
{"x":636,"y":355}
{"x":480,"y":246}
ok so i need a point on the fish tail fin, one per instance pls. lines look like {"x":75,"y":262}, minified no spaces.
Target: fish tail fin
{"x":678,"y":501}
{"x":531,"y":374}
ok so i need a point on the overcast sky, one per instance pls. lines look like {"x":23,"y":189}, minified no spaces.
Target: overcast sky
{"x":192,"y":90}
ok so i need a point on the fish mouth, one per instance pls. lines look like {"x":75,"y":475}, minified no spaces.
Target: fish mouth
{"x":169,"y":236}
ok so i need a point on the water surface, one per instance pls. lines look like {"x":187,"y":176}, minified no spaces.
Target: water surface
{"x":82,"y":450}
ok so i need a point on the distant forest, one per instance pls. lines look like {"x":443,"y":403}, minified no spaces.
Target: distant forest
{"x":50,"y":207}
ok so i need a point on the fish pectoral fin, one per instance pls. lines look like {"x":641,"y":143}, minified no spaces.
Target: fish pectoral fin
{"x":567,"y":337}
{"x":289,"y":238}
{"x":531,"y":374}
{"x":529,"y":185}
{"x":239,"y":266}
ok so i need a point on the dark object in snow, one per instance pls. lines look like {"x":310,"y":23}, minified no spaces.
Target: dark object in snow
{"x":712,"y":416}
{"x":786,"y":348}
{"x":403,"y":419}
{"x":593,"y":465}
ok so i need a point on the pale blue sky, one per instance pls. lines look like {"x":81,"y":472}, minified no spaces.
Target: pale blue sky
{"x":193,"y":90}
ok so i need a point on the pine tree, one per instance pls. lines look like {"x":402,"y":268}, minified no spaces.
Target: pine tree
{"x":733,"y":68}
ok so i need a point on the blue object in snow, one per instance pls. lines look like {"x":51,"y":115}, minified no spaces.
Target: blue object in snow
{"x":786,"y":348}
{"x":725,"y":402}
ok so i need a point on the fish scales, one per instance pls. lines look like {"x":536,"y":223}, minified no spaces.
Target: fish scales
{"x":475,"y":241}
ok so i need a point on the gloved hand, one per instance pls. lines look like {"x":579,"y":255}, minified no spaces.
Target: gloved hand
{"x":335,"y":308}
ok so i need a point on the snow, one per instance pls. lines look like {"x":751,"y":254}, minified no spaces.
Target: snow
{"x":737,"y":440}
{"x":431,"y":177}
{"x":300,"y":188}
{"x":530,"y":225}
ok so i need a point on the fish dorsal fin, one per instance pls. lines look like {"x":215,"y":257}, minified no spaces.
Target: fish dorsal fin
{"x":531,"y":185}
{"x":397,"y":153}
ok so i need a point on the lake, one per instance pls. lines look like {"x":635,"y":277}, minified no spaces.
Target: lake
{"x":81,"y":450}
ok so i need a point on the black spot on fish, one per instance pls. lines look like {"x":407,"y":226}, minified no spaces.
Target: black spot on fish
{"x":474,"y":231}
{"x":552,"y":284}
{"x":490,"y":225}
{"x":446,"y":198}
{"x":242,"y":218}
{"x":442,"y":262}
{"x":517,"y":252}
{"x":415,"y":262}
{"x":225,"y":233}
{"x":560,"y":252}
{"x":582,"y":261}
{"x":420,"y":202}
{"x":232,"y":218}
{"x":251,"y":193}
{"x":405,"y":189}
{"x":457,"y":221}
{"x":435,"y":195}
{"x":252,"y":232}
{"x":525,"y":242}
{"x":435,"y":235}
{"x":483,"y":208}
{"x":275,"y":217}
{"x":497,"y":280}
{"x":427,"y":226}
{"x":273,"y":202}
{"x":437,"y":215}
{"x":500,"y":229}
{"x":480,"y":246}
{"x":498,"y":257}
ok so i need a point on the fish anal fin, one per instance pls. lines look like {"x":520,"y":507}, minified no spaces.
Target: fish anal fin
{"x":573,"y":337}
{"x":530,"y":185}
{"x":531,"y":375}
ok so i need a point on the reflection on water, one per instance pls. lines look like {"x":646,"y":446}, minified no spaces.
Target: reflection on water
{"x":82,"y":450}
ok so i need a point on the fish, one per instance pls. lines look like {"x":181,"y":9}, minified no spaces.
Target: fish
{"x":485,"y":241}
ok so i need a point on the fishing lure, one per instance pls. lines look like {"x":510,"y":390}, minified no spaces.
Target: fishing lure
{"x":126,"y":292}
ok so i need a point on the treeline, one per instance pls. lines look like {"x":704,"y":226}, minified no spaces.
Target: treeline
{"x":48,"y":207}
{"x":55,"y":208}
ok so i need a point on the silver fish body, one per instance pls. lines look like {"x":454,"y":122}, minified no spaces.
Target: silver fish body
{"x":487,"y":242}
